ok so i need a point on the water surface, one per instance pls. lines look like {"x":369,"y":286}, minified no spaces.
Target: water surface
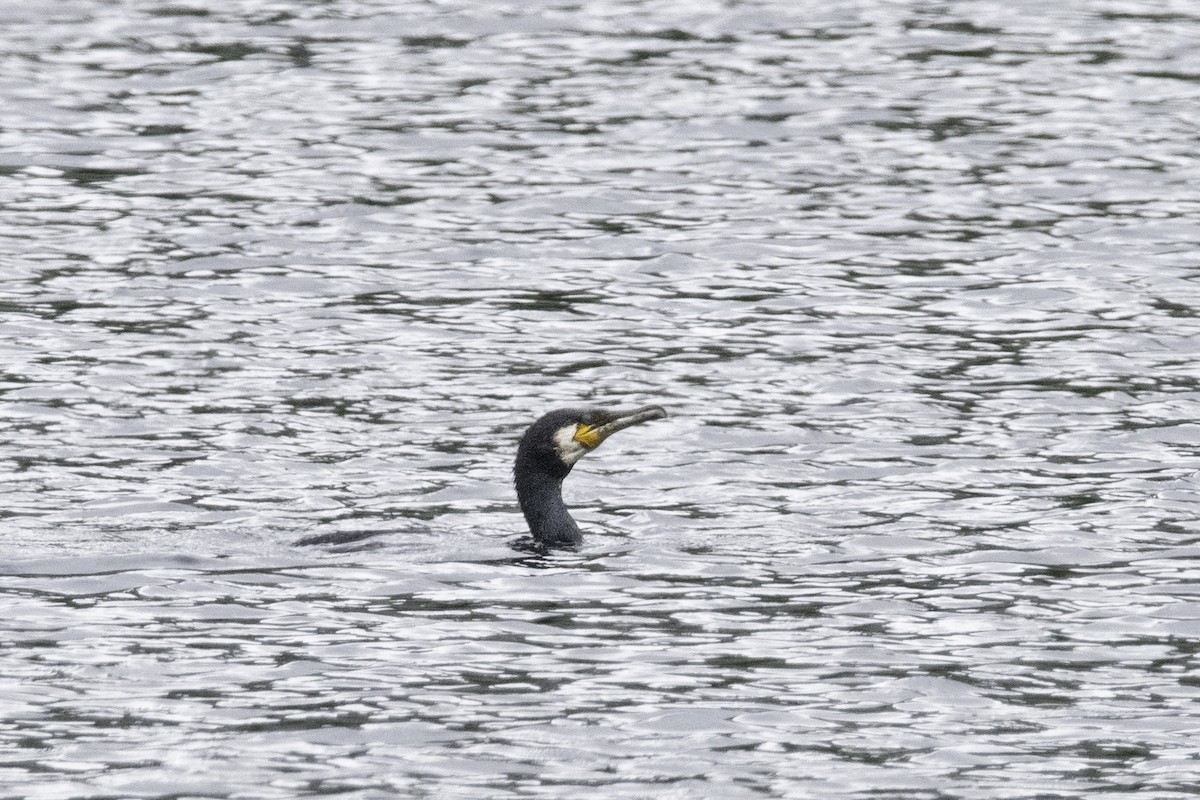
{"x":916,"y":281}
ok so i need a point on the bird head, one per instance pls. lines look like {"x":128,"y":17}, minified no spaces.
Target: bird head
{"x":559,"y":439}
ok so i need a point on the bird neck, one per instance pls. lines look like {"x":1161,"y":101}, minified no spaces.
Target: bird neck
{"x":540,"y":496}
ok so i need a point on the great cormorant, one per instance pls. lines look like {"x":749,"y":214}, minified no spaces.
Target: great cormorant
{"x":548,"y":450}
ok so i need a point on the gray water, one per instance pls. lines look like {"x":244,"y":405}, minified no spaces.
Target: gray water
{"x":917,"y":282}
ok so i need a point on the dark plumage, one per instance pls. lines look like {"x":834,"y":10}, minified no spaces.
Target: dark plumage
{"x":548,"y":450}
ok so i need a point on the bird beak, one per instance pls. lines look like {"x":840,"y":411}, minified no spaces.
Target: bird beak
{"x":590,"y":436}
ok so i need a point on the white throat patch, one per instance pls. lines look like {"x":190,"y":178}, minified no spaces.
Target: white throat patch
{"x":568,"y":449}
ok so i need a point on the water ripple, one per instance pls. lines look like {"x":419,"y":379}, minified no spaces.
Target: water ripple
{"x":915,"y":283}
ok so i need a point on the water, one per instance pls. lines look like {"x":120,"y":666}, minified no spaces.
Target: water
{"x":916,"y":281}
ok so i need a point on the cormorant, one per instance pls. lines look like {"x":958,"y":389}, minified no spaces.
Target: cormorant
{"x":548,"y":450}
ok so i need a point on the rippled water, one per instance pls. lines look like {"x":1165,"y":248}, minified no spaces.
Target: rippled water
{"x":917,"y":282}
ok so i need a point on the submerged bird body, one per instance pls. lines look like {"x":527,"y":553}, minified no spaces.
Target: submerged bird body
{"x":548,"y":450}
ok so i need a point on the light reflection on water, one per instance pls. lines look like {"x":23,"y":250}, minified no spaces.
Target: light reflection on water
{"x":917,"y":285}
{"x":629,"y":671}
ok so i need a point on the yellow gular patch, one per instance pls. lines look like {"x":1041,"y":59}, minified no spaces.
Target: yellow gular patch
{"x":587,"y":437}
